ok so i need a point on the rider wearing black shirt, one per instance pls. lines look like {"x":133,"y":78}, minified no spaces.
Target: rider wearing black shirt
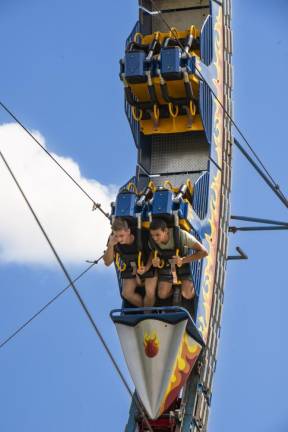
{"x":134,"y":269}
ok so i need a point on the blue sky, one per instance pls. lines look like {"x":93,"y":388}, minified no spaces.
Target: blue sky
{"x":59,"y":73}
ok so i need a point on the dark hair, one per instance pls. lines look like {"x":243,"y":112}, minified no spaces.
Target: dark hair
{"x":120,"y":224}
{"x":158,"y":224}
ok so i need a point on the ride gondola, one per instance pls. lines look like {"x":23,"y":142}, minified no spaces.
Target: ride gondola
{"x":177,"y":79}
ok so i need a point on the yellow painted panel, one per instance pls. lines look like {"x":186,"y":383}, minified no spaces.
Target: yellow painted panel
{"x":176,"y":89}
{"x":169,"y":125}
{"x":140,"y":91}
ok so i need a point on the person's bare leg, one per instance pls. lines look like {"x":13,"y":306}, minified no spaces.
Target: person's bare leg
{"x":128,"y":292}
{"x":164,"y":289}
{"x":150,"y":291}
{"x":187,"y":289}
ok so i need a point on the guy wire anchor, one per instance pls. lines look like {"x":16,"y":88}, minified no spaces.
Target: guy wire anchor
{"x":149,"y":11}
{"x":95,"y":261}
{"x":97,"y":206}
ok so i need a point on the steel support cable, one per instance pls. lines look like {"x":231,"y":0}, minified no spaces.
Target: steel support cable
{"x":260,"y":172}
{"x":71,"y":284}
{"x":47,"y":305}
{"x":276,"y":185}
{"x":95,"y":205}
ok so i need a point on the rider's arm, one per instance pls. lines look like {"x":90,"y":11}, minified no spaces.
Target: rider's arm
{"x":201,"y":252}
{"x":108,"y":257}
{"x":149,"y":261}
{"x":191,"y":242}
{"x":144,"y":269}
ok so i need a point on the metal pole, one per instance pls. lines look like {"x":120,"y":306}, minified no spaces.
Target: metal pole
{"x":263,"y":228}
{"x":259,"y":220}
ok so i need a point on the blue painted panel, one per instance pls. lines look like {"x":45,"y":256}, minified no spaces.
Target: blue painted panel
{"x":171,"y":63}
{"x":134,"y":125}
{"x":202,"y":316}
{"x":206,"y":41}
{"x":200,"y":195}
{"x":162,"y":203}
{"x":183,"y":210}
{"x":206,"y":109}
{"x":196,"y":267}
{"x":190,"y":62}
{"x":132,"y":320}
{"x":125,"y":205}
{"x":134,"y":66}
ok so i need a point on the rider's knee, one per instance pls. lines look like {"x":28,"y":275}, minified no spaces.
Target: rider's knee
{"x":128,"y":287}
{"x":164,"y":291}
{"x":162,"y":294}
{"x":126,"y":293}
{"x":188,"y":295}
{"x":188,"y":291}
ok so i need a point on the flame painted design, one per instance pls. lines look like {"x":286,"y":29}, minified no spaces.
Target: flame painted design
{"x":151,"y":344}
{"x":215,"y":189}
{"x":187,"y":355}
{"x":210,"y":268}
{"x":218,"y":82}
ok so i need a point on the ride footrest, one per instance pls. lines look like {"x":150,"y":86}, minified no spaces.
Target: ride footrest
{"x":166,"y":423}
{"x":159,"y":425}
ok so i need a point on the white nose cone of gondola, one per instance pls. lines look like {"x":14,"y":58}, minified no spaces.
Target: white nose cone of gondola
{"x":153,"y":350}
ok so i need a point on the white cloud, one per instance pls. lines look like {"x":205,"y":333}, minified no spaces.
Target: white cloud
{"x":76,"y":232}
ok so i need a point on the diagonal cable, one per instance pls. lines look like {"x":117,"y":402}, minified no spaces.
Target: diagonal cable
{"x":173,"y":31}
{"x":95,"y":205}
{"x":71,"y":283}
{"x":20,"y":328}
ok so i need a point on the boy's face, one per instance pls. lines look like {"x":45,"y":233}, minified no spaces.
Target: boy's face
{"x":122,"y":236}
{"x":159,"y":235}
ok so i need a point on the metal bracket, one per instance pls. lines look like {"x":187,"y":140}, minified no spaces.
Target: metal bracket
{"x":273,"y":224}
{"x":149,"y":11}
{"x":258,"y":220}
{"x":241,"y":255}
{"x":234,"y":229}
